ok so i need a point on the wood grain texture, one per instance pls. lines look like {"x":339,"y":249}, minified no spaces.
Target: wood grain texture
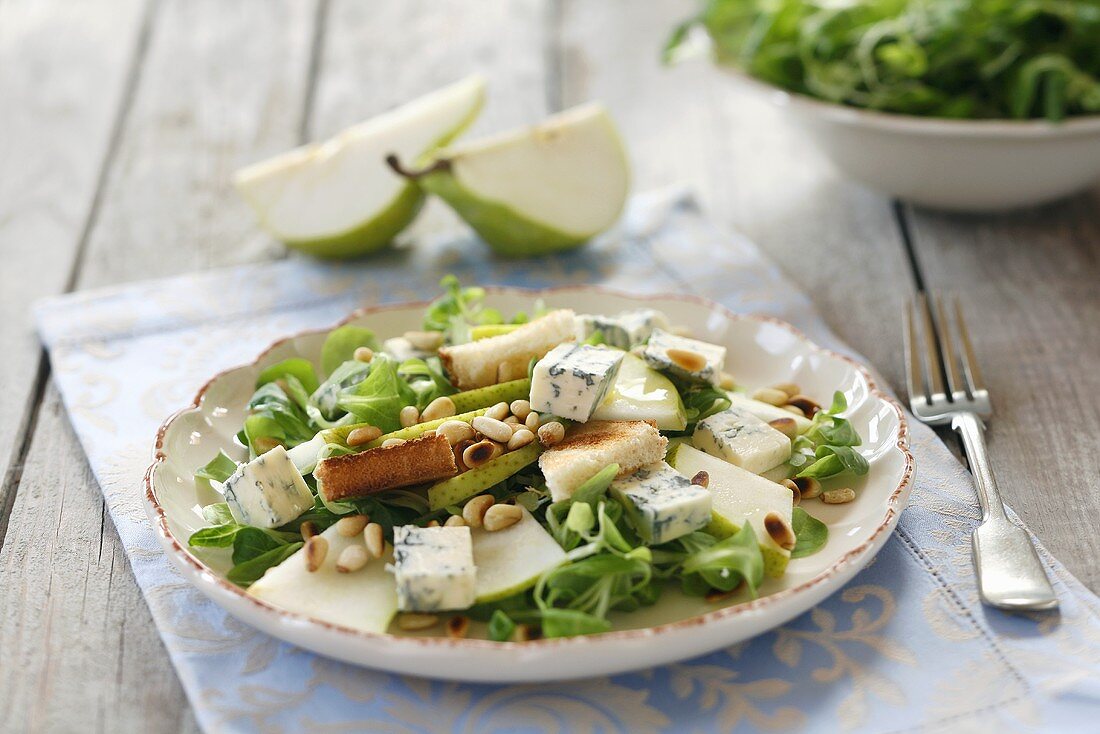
{"x":223,"y":84}
{"x":1028,"y":285}
{"x":79,"y":649}
{"x":691,"y":124}
{"x":54,"y":141}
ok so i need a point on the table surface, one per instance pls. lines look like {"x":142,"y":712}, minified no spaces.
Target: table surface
{"x":124,"y":119}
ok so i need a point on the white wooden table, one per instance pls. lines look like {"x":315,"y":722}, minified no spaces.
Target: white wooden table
{"x":122,"y":120}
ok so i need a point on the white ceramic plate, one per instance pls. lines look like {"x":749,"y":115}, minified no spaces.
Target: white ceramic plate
{"x":761,"y":351}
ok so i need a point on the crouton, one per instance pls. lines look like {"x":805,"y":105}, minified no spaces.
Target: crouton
{"x":421,"y":460}
{"x":592,"y":446}
{"x":506,"y":357}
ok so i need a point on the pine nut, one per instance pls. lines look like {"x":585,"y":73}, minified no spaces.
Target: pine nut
{"x":771,"y":396}
{"x":459,"y":449}
{"x":551,"y":434}
{"x":392,"y":442}
{"x":789,"y":484}
{"x":838,"y":496}
{"x":351,"y":525}
{"x":363,"y":434}
{"x":413,"y":621}
{"x":499,"y":517}
{"x":498,"y":412}
{"x":788,"y":387}
{"x":352,"y":558}
{"x":779,"y":531}
{"x":316,"y":549}
{"x":686,"y":359}
{"x":455,"y":521}
{"x":457,"y":626}
{"x":701,"y":479}
{"x":522,"y":633}
{"x":808,"y":487}
{"x":308,"y":529}
{"x":532,"y":421}
{"x":442,"y":407}
{"x":374,"y":540}
{"x":726,"y":381}
{"x":513,"y":422}
{"x":520,"y":438}
{"x":409,"y":416}
{"x":432,"y":524}
{"x":475,"y":509}
{"x":363,"y":354}
{"x":805,"y":404}
{"x":455,"y":431}
{"x":480,"y":453}
{"x":793,"y":409}
{"x":492,"y":428}
{"x":520,"y":409}
{"x":787,"y":426}
{"x":425,"y":341}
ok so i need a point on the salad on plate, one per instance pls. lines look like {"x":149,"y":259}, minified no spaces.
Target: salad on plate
{"x":523,"y":475}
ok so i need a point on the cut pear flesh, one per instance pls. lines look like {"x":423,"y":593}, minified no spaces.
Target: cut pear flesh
{"x":740,"y":496}
{"x":640,"y":393}
{"x":538,"y":189}
{"x":338,"y":197}
{"x":511,"y":560}
{"x":363,"y":600}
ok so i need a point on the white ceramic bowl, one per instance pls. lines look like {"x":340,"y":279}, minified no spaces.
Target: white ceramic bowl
{"x":957,"y":165}
{"x":762,"y":351}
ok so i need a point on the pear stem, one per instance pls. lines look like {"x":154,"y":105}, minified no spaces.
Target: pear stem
{"x":395,"y":163}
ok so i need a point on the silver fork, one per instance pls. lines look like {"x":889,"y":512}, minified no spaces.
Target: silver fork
{"x":1010,"y":574}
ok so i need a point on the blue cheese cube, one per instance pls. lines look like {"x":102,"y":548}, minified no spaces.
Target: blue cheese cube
{"x":663,"y":503}
{"x":572,"y":380}
{"x":268,"y":491}
{"x":626,"y":330}
{"x":743,"y":440}
{"x":683,"y":357}
{"x":434,"y":568}
{"x":402,"y":350}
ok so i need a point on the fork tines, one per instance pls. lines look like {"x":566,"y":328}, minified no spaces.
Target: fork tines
{"x":938,"y":352}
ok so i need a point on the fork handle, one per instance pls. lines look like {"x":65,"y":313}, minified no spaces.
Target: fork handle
{"x":970,"y":427}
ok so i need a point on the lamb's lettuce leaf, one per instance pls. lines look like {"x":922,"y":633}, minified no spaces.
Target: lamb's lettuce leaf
{"x":300,"y":369}
{"x":378,"y":400}
{"x":810,"y":533}
{"x":340,"y":346}
{"x":247,"y":573}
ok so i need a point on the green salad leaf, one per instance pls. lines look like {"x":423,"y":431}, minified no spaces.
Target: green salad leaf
{"x":341,"y":343}
{"x":952,"y":58}
{"x":378,"y":400}
{"x":810,"y":533}
{"x":501,"y":626}
{"x":458,"y":309}
{"x":247,"y":573}
{"x":296,"y":367}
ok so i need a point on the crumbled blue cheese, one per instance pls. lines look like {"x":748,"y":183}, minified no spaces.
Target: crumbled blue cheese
{"x":268,"y":491}
{"x":401,"y":349}
{"x":626,"y":330}
{"x":572,"y":380}
{"x":663,"y":503}
{"x":743,"y":440}
{"x":711,"y":358}
{"x":434,"y":568}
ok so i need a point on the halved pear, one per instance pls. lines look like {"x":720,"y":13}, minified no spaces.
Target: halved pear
{"x":338,"y":198}
{"x":539,"y":189}
{"x":511,"y":560}
{"x":639,"y":394}
{"x":739,"y":496}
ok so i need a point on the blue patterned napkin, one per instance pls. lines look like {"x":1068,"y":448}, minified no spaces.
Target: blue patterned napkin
{"x":905,"y":646}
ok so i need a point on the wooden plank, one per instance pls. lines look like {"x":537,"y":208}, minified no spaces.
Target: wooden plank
{"x":54,"y":139}
{"x":690,"y":124}
{"x":76,"y":637}
{"x":1028,"y":285}
{"x":222,"y":83}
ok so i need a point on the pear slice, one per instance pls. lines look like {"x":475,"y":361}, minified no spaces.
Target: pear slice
{"x":486,"y":397}
{"x":456,"y":489}
{"x":539,"y":189}
{"x":364,"y":600}
{"x":337,"y":198}
{"x":740,"y":496}
{"x":640,"y":393}
{"x":511,"y":560}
